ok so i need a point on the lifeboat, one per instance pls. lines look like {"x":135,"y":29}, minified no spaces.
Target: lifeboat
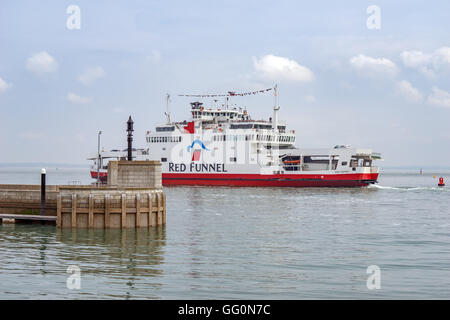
{"x":291,"y":161}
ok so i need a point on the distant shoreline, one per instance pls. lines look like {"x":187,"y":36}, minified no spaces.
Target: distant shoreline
{"x":42,"y":165}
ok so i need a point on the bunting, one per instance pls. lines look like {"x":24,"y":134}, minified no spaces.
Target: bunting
{"x":230,"y":94}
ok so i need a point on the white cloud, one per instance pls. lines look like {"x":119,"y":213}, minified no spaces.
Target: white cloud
{"x":90,"y":75}
{"x":439,"y":98}
{"x":406,"y":90}
{"x":4,"y":85}
{"x":427,"y":63}
{"x":41,"y":63}
{"x":373,"y":67}
{"x":415,"y":59}
{"x":279,"y":68}
{"x":441,"y":58}
{"x":74,"y":98}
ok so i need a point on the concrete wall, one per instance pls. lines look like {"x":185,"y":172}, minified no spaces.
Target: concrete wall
{"x":142,"y":174}
{"x":17,"y":198}
{"x":109,"y":208}
{"x":133,"y":197}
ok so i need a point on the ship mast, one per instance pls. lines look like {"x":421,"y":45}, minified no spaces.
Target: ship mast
{"x":275,"y":109}
{"x":167,"y":113}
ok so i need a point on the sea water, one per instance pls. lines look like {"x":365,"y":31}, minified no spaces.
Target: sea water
{"x":244,"y":243}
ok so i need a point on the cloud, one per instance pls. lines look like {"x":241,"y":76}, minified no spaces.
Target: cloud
{"x":441,"y":58}
{"x":4,"y":85}
{"x":415,"y":59}
{"x":439,"y":98}
{"x":74,"y":98}
{"x":90,"y":75}
{"x":279,"y":68}
{"x":41,"y":63}
{"x":406,"y":90}
{"x":427,"y":63}
{"x":373,"y":67}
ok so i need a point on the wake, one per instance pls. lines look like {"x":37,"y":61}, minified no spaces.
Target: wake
{"x":406,"y":188}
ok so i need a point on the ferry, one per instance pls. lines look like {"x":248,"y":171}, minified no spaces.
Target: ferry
{"x":99,"y":162}
{"x":224,"y":146}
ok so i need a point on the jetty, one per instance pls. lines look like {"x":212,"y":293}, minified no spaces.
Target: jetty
{"x":132,"y":198}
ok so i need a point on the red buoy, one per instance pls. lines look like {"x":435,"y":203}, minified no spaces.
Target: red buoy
{"x":441,"y":182}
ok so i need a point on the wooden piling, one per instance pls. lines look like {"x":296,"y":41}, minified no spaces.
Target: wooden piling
{"x":107,"y":211}
{"x":124,"y":210}
{"x":138,"y":210}
{"x":74,"y":210}
{"x":150,"y":211}
{"x":58,"y":210}
{"x":91,"y":212}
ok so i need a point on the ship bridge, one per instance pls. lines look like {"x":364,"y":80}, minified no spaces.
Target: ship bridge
{"x":199,"y":112}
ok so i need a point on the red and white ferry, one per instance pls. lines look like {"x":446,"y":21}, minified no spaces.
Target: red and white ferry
{"x":225,"y":147}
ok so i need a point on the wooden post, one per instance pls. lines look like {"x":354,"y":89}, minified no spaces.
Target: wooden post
{"x":124,"y":210}
{"x":91,"y":212}
{"x":58,"y":211}
{"x":150,"y":210}
{"x":74,"y":210}
{"x":159,"y":212}
{"x":138,"y":210}
{"x":107,"y":210}
{"x":164,"y":208}
{"x":43,"y":174}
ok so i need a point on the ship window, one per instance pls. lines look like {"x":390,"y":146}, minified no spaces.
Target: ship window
{"x":160,"y":129}
{"x":163,"y":159}
{"x":344,"y":163}
{"x":233,"y":159}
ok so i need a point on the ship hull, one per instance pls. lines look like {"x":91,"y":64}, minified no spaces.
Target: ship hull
{"x":103,"y":176}
{"x":259,"y":180}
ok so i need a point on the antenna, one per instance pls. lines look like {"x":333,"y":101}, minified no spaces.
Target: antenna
{"x":167,"y":113}
{"x":275,"y":109}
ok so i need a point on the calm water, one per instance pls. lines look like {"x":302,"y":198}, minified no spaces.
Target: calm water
{"x":245,"y":243}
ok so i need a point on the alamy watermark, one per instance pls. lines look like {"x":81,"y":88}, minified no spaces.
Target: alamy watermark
{"x":374,"y":20}
{"x":374,"y":280}
{"x":74,"y":280}
{"x":74,"y":20}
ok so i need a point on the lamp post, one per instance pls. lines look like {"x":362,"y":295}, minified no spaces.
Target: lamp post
{"x":98,"y":159}
{"x":130,"y":138}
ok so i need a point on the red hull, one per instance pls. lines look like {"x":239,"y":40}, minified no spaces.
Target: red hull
{"x":258,"y":180}
{"x":103,"y":176}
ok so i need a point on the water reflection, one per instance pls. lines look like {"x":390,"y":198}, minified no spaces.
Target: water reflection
{"x":127,"y":256}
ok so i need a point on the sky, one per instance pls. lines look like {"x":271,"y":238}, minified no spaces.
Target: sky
{"x":371,"y":74}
